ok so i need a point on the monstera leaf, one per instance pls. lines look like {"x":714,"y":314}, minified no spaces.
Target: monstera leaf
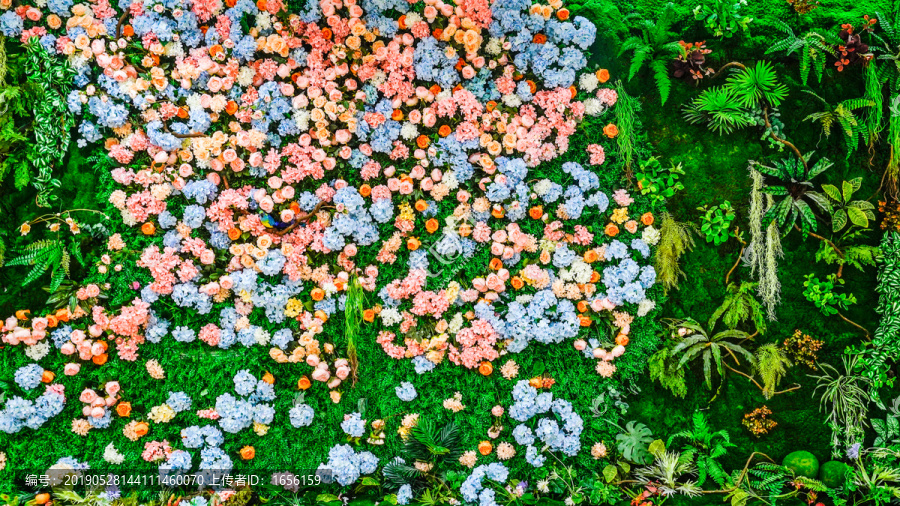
{"x":634,"y":442}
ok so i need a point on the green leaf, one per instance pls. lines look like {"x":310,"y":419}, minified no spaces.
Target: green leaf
{"x":609,"y":473}
{"x":657,"y":447}
{"x":838,"y":220}
{"x":858,"y":217}
{"x":832,"y":192}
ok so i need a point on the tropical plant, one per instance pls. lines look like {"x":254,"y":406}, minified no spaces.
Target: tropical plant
{"x":42,"y":256}
{"x":627,"y":108}
{"x":765,"y":248}
{"x":429,"y":444}
{"x":698,"y":342}
{"x":715,"y":222}
{"x":875,"y":359}
{"x":845,"y":398}
{"x":757,"y":86}
{"x":634,"y":441}
{"x":704,"y":447}
{"x":823,"y":295}
{"x":771,"y":365}
{"x":719,"y":109}
{"x":858,"y":212}
{"x":667,"y":471}
{"x":740,"y":306}
{"x":722,"y":17}
{"x":812,"y":48}
{"x":654,"y":47}
{"x":664,"y":368}
{"x":658,"y":182}
{"x":791,"y":183}
{"x":675,"y":239}
{"x":843,"y":116}
{"x":888,"y":430}
{"x":850,"y":252}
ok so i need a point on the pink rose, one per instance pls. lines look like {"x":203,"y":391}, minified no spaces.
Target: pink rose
{"x":87,"y":395}
{"x":68,"y":349}
{"x":580,"y":345}
{"x":112,"y":388}
{"x":71,"y":369}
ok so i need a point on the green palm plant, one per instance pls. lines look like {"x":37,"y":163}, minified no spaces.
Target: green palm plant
{"x":719,"y":108}
{"x":844,"y":117}
{"x":429,"y":444}
{"x":857,"y":212}
{"x":710,"y":348}
{"x":655,"y":47}
{"x":754,"y":86}
{"x":793,"y":187}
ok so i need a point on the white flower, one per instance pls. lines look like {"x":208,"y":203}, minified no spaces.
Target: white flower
{"x":390,"y":316}
{"x":412,"y":18}
{"x":569,"y":501}
{"x":245,"y":76}
{"x":593,"y":107}
{"x":645,"y":306}
{"x":263,"y":21}
{"x":112,"y":455}
{"x":542,"y":186}
{"x":543,"y":486}
{"x":37,"y":351}
{"x":588,"y":82}
{"x":512,"y":100}
{"x":524,"y":299}
{"x":450,"y":180}
{"x":409,"y":131}
{"x":493,"y":46}
{"x":650,"y":236}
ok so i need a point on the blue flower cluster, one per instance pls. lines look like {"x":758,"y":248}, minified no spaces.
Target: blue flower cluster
{"x":545,"y":319}
{"x":353,"y":425}
{"x":28,"y":376}
{"x":237,"y":414}
{"x":19,"y":413}
{"x":178,"y":401}
{"x":406,"y":391}
{"x":528,"y":404}
{"x":301,"y":415}
{"x":346,"y":465}
{"x":473,"y":488}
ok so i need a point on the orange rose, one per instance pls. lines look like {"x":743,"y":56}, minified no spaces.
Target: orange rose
{"x":42,"y":498}
{"x":611,"y":130}
{"x":148,"y":228}
{"x":595,"y":276}
{"x":631,"y":226}
{"x":536,"y":382}
{"x":369,"y":315}
{"x":268,"y":378}
{"x":365,"y":190}
{"x":485,"y":447}
{"x":322,"y":315}
{"x":517,"y":282}
{"x":401,"y":23}
{"x":413,"y":244}
{"x":585,"y":321}
{"x":431,"y":225}
{"x":123,"y":409}
{"x":531,"y":85}
{"x":497,"y":212}
{"x":303,"y":383}
{"x":397,"y":115}
{"x":421,"y":205}
{"x":21,"y":314}
{"x":435,"y":89}
{"x":486,"y":368}
{"x":444,"y":131}
{"x":423,"y":141}
{"x":52,"y":321}
{"x":582,"y":306}
{"x":62,"y":314}
{"x":100,"y":359}
{"x":562,"y":14}
{"x":611,"y":230}
{"x":647,"y":218}
{"x":490,"y":106}
{"x":326,"y":33}
{"x":141,"y":429}
{"x":602,"y":75}
{"x":248,"y":452}
{"x":622,"y":340}
{"x":591,"y":256}
{"x":47,"y":376}
{"x":231,"y":107}
{"x":495,"y":264}
{"x":234,"y":233}
{"x":128,"y":31}
{"x":317,"y":294}
{"x":573,"y":90}
{"x":539,"y":39}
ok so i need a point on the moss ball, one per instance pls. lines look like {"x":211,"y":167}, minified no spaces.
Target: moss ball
{"x":834,"y":474}
{"x":802,"y":463}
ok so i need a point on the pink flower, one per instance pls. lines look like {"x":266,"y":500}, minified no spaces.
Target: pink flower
{"x":71,"y":369}
{"x":87,"y":395}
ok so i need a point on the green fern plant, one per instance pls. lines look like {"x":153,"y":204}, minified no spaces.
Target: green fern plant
{"x":664,"y":368}
{"x":740,"y":306}
{"x":812,"y":48}
{"x":858,"y":212}
{"x":842,"y":115}
{"x":771,"y":365}
{"x":42,"y":256}
{"x":675,"y":239}
{"x":705,"y":446}
{"x":654,"y":48}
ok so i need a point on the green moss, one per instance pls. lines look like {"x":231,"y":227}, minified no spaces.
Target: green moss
{"x":834,"y":473}
{"x":802,"y":463}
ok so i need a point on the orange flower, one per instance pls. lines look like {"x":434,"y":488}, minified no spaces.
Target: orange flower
{"x":431,"y":225}
{"x":539,"y":38}
{"x":595,"y":276}
{"x":495,"y":264}
{"x":562,"y":14}
{"x":421,"y":205}
{"x":42,"y":498}
{"x":647,"y":218}
{"x":231,"y":107}
{"x":365,"y":190}
{"x":497,"y":211}
{"x":369,"y":315}
{"x":123,"y":409}
{"x":582,"y":306}
{"x":591,"y":256}
{"x":486,"y":368}
{"x":465,"y":230}
{"x":437,"y":35}
{"x":585,"y":321}
{"x":182,"y":112}
{"x":573,"y":90}
{"x":444,"y":131}
{"x":21,"y":314}
{"x":148,"y":228}
{"x":303,"y":383}
{"x":517,"y":282}
{"x":413,"y":244}
{"x":611,"y":130}
{"x":536,"y":382}
{"x":423,"y":141}
{"x":128,"y":31}
{"x":248,"y":452}
{"x":536,"y":212}
{"x":602,"y":75}
{"x":234,"y":233}
{"x":141,"y":429}
{"x":62,"y":314}
{"x":622,"y":340}
{"x":317,"y":294}
{"x":490,"y":106}
{"x":611,"y":230}
{"x":268,"y":378}
{"x":435,"y":89}
{"x":485,"y":447}
{"x":531,"y":85}
{"x":52,"y":321}
{"x":322,"y":315}
{"x":326,"y":33}
{"x":397,"y":115}
{"x":100,"y":359}
{"x":401,"y":23}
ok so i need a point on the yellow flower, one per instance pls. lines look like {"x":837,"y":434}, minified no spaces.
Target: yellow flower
{"x":619,"y":215}
{"x":25,"y":228}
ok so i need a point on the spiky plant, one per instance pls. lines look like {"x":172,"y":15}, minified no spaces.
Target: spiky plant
{"x":739,"y":306}
{"x":654,"y":47}
{"x":667,"y":472}
{"x":429,"y":444}
{"x":771,"y":365}
{"x":757,"y":86}
{"x":710,"y":348}
{"x":675,"y":239}
{"x":790,"y":181}
{"x":719,"y":108}
{"x":845,"y":397}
